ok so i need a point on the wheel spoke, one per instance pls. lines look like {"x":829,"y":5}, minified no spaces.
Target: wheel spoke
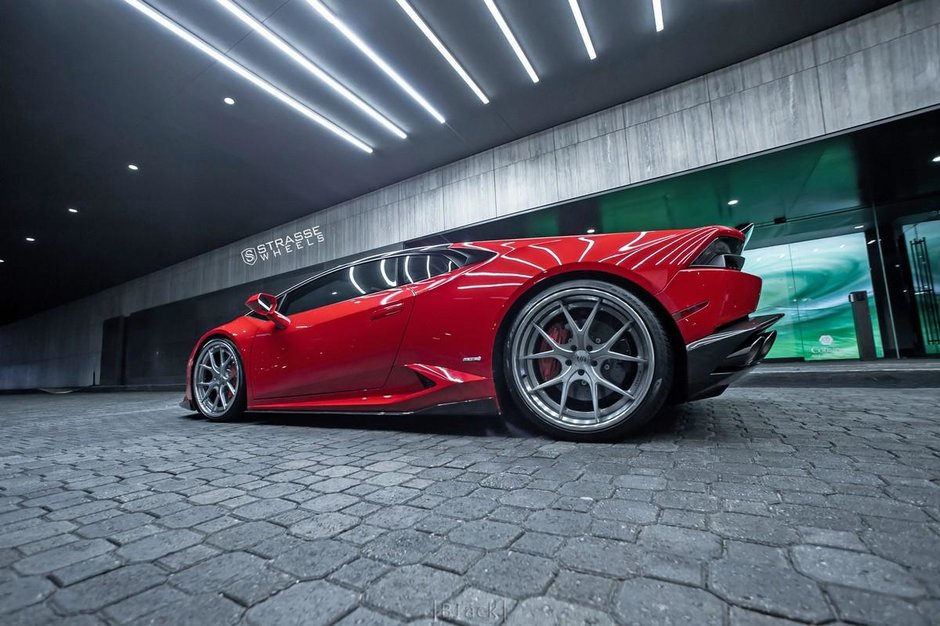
{"x":594,"y":401}
{"x":204,"y":384}
{"x":615,"y":337}
{"x":564,"y":397}
{"x":547,"y":337}
{"x":586,"y":329}
{"x":575,"y":330}
{"x":606,"y":383}
{"x":231,"y":388}
{"x":616,"y":356}
{"x":551,"y":382}
{"x":541,"y":355}
{"x":205,"y":366}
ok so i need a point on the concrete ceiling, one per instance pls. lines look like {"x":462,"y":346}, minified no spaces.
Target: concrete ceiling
{"x":89,"y":86}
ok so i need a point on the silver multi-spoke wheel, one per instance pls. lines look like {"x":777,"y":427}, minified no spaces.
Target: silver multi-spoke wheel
{"x":216,"y":378}
{"x":582,"y":359}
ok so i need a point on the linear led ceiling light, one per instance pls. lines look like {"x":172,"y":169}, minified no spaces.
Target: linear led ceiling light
{"x":254,"y":79}
{"x":658,"y":14}
{"x":503,"y":26}
{"x":308,"y":65}
{"x":357,"y":41}
{"x":407,"y":8}
{"x":585,"y":35}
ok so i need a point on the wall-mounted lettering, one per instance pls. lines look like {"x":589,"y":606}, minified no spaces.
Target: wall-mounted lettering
{"x":283,"y":245}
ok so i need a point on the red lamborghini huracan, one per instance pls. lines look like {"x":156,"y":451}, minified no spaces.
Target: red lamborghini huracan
{"x":587,"y":336}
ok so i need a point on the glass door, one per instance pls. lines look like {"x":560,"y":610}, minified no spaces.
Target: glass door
{"x":923,"y":248}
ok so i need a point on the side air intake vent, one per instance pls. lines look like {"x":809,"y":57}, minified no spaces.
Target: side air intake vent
{"x":426,"y":382}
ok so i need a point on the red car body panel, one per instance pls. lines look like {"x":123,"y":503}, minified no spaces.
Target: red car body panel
{"x":432,"y":342}
{"x":342,"y":347}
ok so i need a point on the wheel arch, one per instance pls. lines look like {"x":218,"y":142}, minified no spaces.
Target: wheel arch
{"x":675,"y":337}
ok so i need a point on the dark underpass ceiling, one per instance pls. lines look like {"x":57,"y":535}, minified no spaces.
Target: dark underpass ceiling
{"x":90,"y":86}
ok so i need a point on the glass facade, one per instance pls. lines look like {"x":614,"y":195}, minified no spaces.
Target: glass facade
{"x":809,"y":282}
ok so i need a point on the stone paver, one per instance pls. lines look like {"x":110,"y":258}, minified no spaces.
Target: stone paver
{"x":306,"y":603}
{"x":774,"y":590}
{"x":761,"y":507}
{"x":646,"y":601}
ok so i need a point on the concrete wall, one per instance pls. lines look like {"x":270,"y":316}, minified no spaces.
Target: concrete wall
{"x":876,"y":67}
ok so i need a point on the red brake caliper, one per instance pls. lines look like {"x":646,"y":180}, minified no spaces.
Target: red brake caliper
{"x":550,"y":367}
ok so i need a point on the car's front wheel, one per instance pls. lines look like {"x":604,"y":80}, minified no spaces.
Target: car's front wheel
{"x":219,"y":381}
{"x":588,"y":360}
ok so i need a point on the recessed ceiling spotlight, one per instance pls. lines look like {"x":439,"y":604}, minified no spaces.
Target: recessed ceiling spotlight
{"x":228,"y":101}
{"x":859,"y":227}
{"x":732,"y":202}
{"x":936,"y":159}
{"x":251,"y":77}
{"x":590,"y":231}
{"x":444,"y":52}
{"x":308,"y":65}
{"x":2,"y":261}
{"x":507,"y":33}
{"x":582,"y":27}
{"x":72,"y":210}
{"x":658,"y":15}
{"x":353,"y":38}
{"x":132,"y":167}
{"x":30,"y":239}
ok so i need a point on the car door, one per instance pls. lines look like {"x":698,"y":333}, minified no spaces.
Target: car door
{"x":345,"y":330}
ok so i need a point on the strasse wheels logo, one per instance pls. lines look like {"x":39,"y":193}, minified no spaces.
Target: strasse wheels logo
{"x":283,"y":245}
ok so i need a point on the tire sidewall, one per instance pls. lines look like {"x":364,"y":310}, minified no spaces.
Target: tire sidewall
{"x":662,"y":376}
{"x":238,"y":405}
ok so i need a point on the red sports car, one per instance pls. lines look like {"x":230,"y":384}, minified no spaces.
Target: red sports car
{"x":587,"y":336}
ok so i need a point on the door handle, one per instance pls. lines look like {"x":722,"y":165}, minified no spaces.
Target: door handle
{"x":388,"y":310}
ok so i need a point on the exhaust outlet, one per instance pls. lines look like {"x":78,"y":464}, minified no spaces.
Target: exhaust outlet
{"x":768,"y":343}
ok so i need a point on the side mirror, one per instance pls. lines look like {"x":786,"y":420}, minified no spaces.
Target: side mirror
{"x":265,"y":305}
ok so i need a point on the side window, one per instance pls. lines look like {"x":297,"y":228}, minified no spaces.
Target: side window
{"x":416,"y":267}
{"x":344,"y":284}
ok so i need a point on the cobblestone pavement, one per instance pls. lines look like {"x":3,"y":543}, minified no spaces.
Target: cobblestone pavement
{"x":762,"y":506}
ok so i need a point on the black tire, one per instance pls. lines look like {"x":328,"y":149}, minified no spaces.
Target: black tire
{"x":214,"y":400}
{"x":598,"y":413}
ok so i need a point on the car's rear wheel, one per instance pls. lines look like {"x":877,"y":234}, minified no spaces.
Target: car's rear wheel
{"x":219,"y":381}
{"x":588,"y":360}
